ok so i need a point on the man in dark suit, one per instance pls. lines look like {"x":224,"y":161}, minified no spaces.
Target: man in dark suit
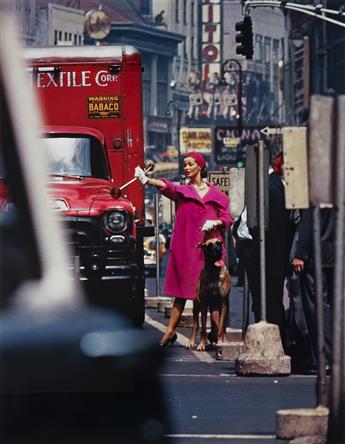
{"x":278,"y":242}
{"x":303,"y":264}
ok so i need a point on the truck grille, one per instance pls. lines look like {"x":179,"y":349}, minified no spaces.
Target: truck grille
{"x":87,"y":242}
{"x":83,"y":231}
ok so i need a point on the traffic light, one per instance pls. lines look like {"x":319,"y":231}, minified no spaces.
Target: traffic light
{"x":245,"y":37}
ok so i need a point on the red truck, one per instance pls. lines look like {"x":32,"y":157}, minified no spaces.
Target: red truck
{"x":91,"y":102}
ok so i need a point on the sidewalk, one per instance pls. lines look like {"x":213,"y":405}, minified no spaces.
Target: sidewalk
{"x":236,"y":298}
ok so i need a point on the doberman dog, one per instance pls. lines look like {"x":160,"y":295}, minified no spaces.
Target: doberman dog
{"x":213,"y":288}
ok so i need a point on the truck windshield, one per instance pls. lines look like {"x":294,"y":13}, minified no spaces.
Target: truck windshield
{"x":75,"y":155}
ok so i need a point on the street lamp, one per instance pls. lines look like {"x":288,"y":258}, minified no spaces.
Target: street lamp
{"x":228,"y":66}
{"x":172,"y":110}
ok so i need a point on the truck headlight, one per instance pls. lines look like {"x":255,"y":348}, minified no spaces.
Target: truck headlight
{"x":58,"y":204}
{"x":115,"y":221}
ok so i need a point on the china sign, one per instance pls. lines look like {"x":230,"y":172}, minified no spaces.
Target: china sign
{"x":230,"y":145}
{"x":195,"y":139}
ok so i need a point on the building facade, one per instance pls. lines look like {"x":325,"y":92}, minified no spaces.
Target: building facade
{"x":314,"y":61}
{"x":58,"y":25}
{"x":25,"y":13}
{"x":181,"y":17}
{"x":48,"y":23}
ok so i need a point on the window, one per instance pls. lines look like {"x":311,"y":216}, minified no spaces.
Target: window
{"x":145,"y":7}
{"x":65,"y":36}
{"x":275,"y":49}
{"x":267,"y":49}
{"x":75,"y":155}
{"x":177,"y":67}
{"x":275,"y":59}
{"x":177,"y":12}
{"x":60,"y":36}
{"x":258,"y":48}
{"x":183,"y":53}
{"x":192,"y":49}
{"x":184,"y":12}
{"x":146,"y":61}
{"x":185,"y":73}
{"x":162,"y":70}
{"x":75,"y":39}
{"x":192,"y":14}
{"x":55,"y":37}
{"x":161,"y":98}
{"x":162,"y":85}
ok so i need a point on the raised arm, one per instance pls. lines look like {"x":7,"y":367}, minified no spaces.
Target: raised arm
{"x":155,"y":183}
{"x":141,"y":176}
{"x":166,"y":187}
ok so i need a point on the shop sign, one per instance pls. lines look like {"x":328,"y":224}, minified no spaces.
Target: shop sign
{"x":158,"y":124}
{"x":220,"y":180}
{"x":195,"y":139}
{"x":211,"y":37}
{"x":230,"y":146}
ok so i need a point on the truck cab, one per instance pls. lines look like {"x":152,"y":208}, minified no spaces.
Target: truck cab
{"x":92,"y":140}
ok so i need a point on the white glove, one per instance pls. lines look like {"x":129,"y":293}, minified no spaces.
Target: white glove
{"x":209,"y":225}
{"x":139,"y":173}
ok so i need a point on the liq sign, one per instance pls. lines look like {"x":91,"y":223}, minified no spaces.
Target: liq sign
{"x":220,"y":180}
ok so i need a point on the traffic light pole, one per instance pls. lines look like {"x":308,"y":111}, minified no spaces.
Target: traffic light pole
{"x":317,"y":11}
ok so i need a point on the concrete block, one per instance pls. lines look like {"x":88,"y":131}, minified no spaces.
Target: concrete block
{"x":151,"y":302}
{"x":186,"y":312}
{"x":189,"y":304}
{"x":296,"y":423}
{"x":263,"y":352}
{"x":229,"y":351}
{"x":186,"y":320}
{"x":163,"y":303}
{"x":233,"y":335}
{"x":188,"y":309}
{"x":316,"y":439}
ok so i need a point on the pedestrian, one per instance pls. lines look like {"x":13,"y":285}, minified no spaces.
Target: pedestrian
{"x":246,"y":252}
{"x":202,"y":212}
{"x":277,"y":248}
{"x":303,"y":264}
{"x":278,"y":244}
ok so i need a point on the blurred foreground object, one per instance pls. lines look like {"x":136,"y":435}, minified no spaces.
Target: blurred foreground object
{"x":69,"y":372}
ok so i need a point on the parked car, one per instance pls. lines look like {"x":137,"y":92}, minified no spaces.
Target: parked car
{"x":69,"y":372}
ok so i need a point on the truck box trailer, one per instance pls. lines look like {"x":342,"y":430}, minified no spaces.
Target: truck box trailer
{"x":92,"y":140}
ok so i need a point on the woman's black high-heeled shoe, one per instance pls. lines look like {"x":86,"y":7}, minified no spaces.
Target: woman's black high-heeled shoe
{"x":170,"y":341}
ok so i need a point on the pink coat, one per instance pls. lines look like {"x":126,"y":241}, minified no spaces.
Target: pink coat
{"x":186,"y":260}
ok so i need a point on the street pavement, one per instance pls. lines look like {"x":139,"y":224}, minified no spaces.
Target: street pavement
{"x":209,"y":403}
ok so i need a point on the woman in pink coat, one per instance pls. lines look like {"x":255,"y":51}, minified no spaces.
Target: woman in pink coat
{"x":202,"y":212}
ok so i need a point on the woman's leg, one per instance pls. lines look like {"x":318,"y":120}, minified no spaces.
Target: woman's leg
{"x":176,"y":312}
